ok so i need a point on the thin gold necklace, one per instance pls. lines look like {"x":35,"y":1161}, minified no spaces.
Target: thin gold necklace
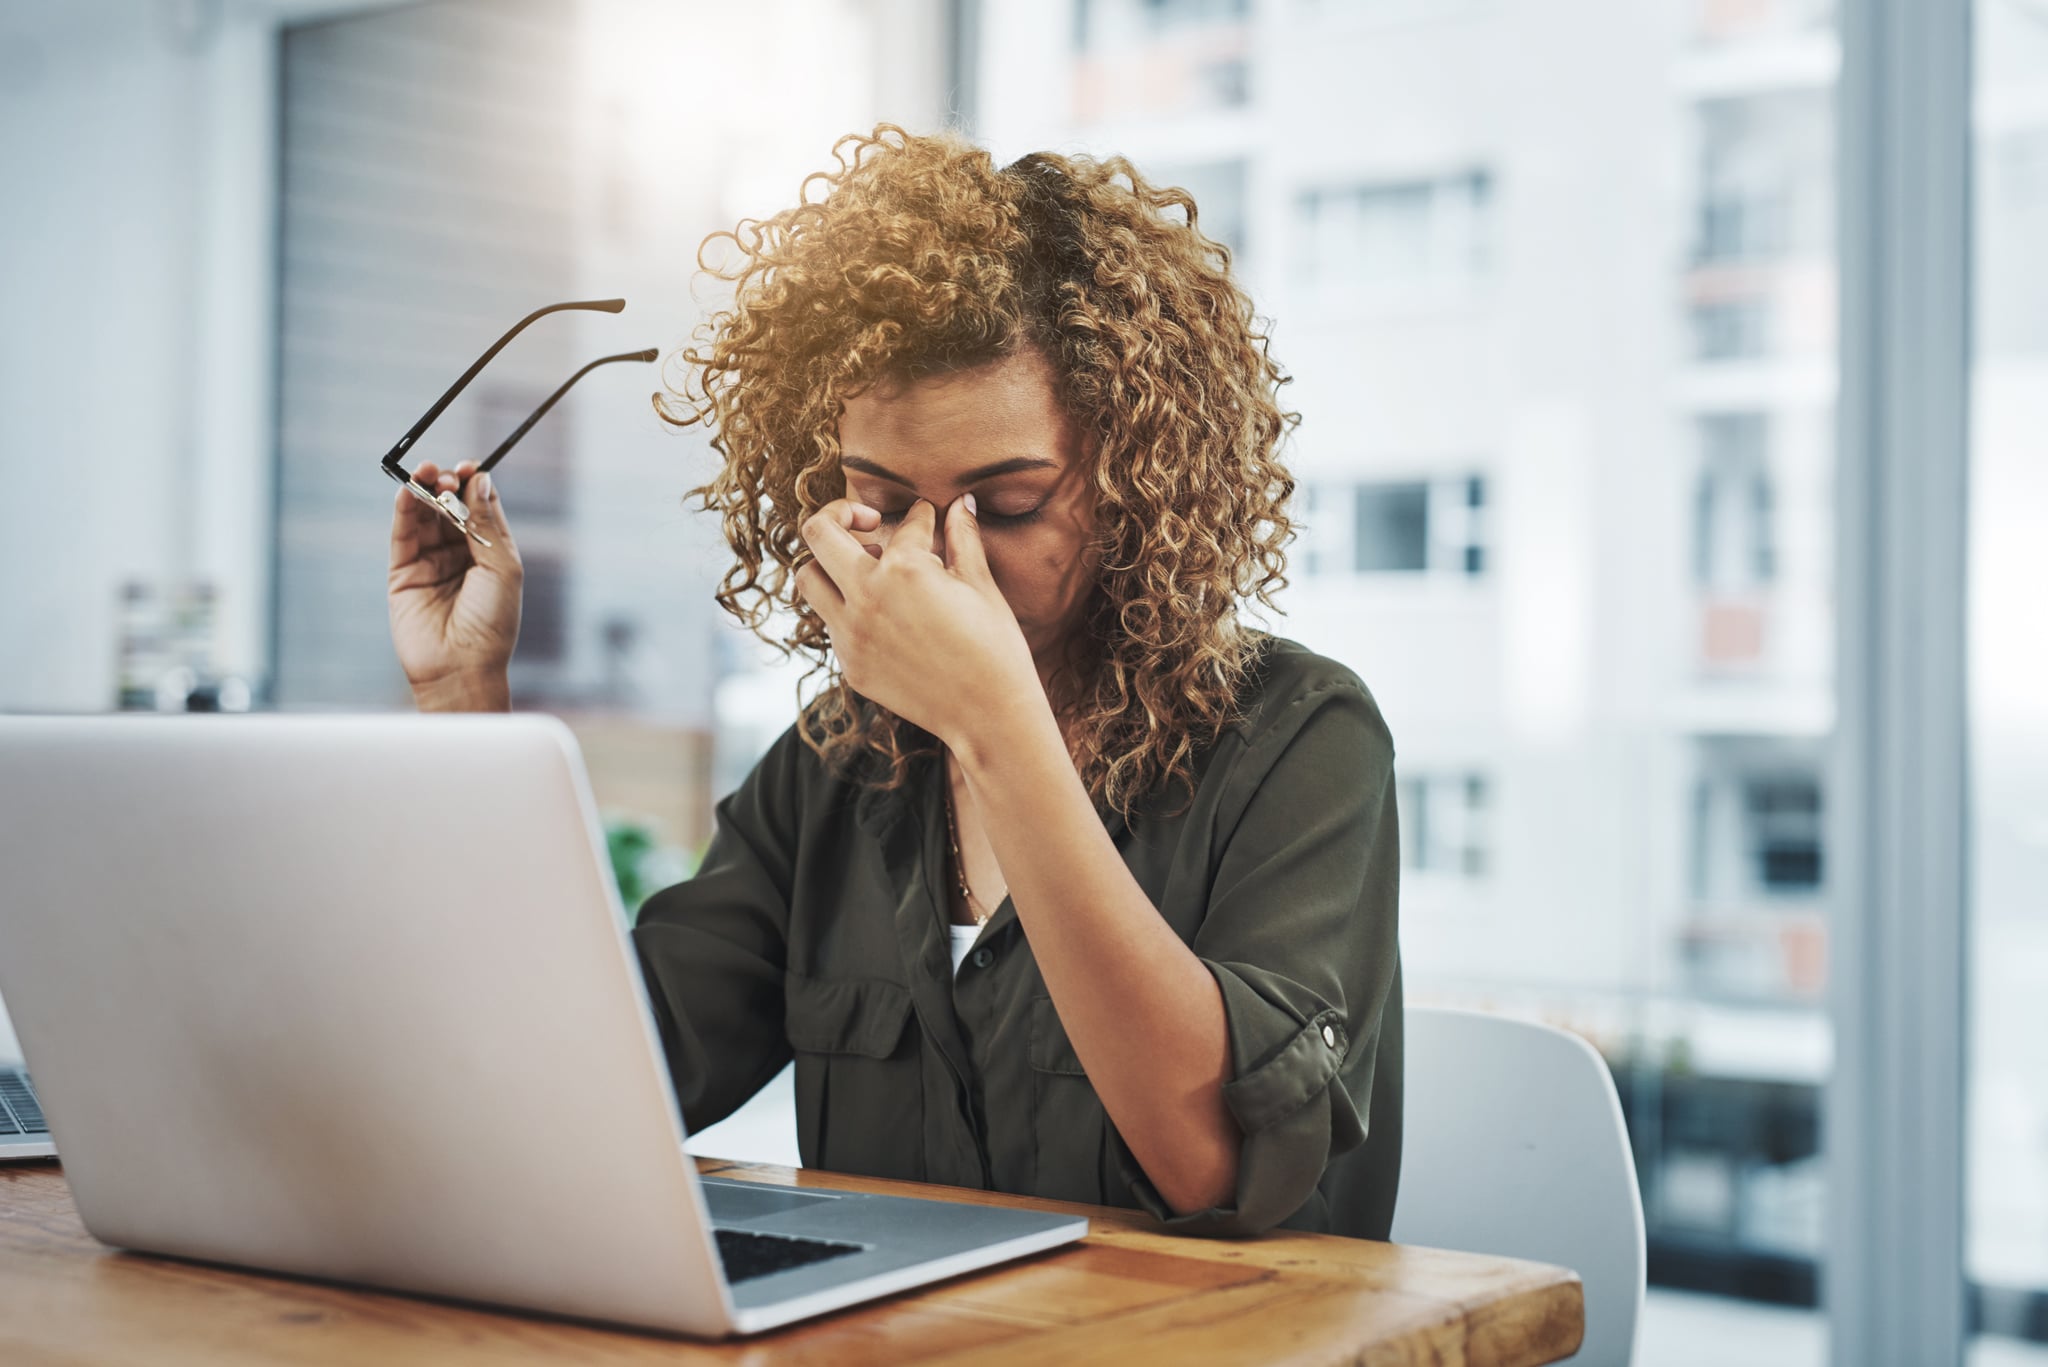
{"x":967,"y":898}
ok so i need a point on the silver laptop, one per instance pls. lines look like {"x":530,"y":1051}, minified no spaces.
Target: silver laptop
{"x":23,"y":1131}
{"x":353,"y":998}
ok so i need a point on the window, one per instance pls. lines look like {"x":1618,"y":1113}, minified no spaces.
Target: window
{"x":1783,"y":825}
{"x":1398,"y":236}
{"x":1734,"y":547}
{"x":1444,"y":823}
{"x":1753,"y":929}
{"x":1757,"y":826}
{"x":1148,"y":58}
{"x":1734,"y":515}
{"x":1104,"y":23}
{"x":1396,"y":527}
{"x":1761,"y":282}
{"x":1392,"y":533}
{"x":1763,"y":177}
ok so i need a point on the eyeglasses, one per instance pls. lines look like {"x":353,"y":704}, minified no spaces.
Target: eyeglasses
{"x":445,"y":502}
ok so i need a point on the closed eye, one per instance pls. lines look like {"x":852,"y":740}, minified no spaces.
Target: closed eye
{"x":989,"y":518}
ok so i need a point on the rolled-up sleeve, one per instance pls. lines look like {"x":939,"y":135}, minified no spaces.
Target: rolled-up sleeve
{"x":1301,"y":936}
{"x":712,"y":950}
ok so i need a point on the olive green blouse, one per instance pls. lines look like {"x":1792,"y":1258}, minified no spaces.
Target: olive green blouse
{"x":816,"y":927}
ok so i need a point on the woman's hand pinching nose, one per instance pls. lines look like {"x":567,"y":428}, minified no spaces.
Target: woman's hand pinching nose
{"x":931,"y":638}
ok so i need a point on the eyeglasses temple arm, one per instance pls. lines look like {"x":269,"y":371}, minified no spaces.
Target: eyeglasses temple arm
{"x":554,"y":398}
{"x":397,"y":453}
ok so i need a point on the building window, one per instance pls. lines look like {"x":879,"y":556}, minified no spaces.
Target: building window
{"x":1734,"y":504}
{"x":1418,"y":526}
{"x":1398,"y":236}
{"x":1762,"y":226}
{"x":1392,"y":528}
{"x":1763,"y":183}
{"x":1782,"y":822}
{"x":1445,"y":823}
{"x":1764,"y":191}
{"x":1154,"y":58}
{"x":1113,"y":23}
{"x":1757,"y":824}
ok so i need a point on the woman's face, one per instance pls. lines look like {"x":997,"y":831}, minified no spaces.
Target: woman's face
{"x":998,"y":432}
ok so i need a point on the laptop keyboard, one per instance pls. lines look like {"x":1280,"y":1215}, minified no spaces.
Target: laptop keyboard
{"x":19,"y":1113}
{"x":747,"y":1254}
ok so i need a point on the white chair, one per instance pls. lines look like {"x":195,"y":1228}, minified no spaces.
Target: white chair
{"x":1513,"y":1144}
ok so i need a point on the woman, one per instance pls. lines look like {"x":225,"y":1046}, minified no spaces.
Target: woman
{"x":1004,"y":443}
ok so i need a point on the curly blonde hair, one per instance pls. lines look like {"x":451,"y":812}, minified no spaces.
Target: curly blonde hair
{"x":922,"y":257}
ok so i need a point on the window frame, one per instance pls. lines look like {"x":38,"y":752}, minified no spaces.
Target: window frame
{"x":1898,"y":830}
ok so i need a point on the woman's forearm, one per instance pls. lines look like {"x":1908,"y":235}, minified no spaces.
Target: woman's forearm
{"x":1144,"y":1015}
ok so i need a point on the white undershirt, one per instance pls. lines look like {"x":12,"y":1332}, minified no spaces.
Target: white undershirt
{"x":963,"y":940}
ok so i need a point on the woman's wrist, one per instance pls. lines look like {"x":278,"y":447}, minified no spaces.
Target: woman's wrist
{"x":1003,"y":737}
{"x":490,"y":692}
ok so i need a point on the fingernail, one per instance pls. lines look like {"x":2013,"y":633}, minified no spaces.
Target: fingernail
{"x":969,"y":501}
{"x":485,"y":489}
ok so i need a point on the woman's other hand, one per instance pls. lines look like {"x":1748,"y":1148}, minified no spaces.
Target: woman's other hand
{"x":454,"y":603}
{"x":922,"y":629}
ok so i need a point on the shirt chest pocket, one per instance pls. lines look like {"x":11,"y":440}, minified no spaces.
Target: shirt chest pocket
{"x":1051,"y":1050}
{"x":1067,"y":1117}
{"x":858,"y":1097}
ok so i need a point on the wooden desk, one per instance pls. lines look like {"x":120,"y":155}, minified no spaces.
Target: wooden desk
{"x":1127,"y":1295}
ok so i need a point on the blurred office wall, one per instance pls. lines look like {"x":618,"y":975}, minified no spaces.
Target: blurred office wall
{"x":246,"y":244}
{"x":134,"y":345}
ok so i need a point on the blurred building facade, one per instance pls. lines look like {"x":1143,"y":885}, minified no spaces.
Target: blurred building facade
{"x":1557,"y":287}
{"x":1555,"y":284}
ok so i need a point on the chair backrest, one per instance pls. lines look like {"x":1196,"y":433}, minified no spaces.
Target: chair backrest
{"x":1514,"y":1145}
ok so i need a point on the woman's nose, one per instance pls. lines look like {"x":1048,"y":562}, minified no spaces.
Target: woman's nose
{"x":887,"y":532}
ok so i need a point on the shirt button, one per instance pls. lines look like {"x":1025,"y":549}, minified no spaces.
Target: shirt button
{"x":983,"y":957}
{"x":1330,"y":1035}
